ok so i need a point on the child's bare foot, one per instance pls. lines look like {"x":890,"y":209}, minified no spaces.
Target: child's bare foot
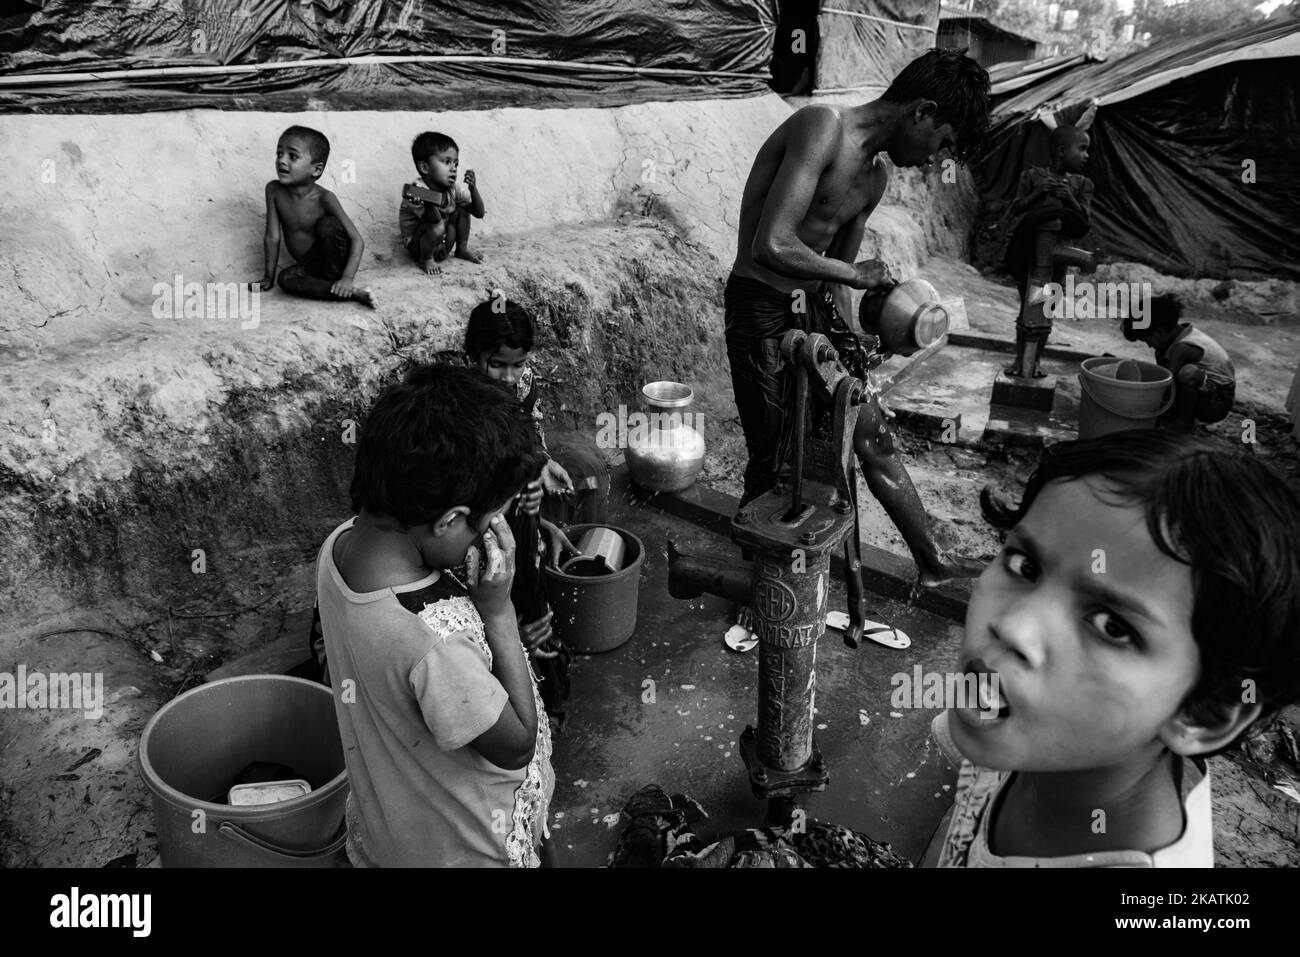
{"x":472,"y":255}
{"x":431,"y":266}
{"x":951,"y":568}
{"x":1013,"y":370}
{"x":1039,"y":373}
{"x":365,"y":297}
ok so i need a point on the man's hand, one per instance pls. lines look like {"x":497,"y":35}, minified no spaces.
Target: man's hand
{"x":872,"y":274}
{"x":342,"y":289}
{"x":492,"y":570}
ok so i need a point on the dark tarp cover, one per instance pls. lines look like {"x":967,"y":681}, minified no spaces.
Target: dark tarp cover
{"x":1167,"y":163}
{"x":865,"y":43}
{"x":724,"y":44}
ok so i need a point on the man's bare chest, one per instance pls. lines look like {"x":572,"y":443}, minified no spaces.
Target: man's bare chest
{"x":844,"y":190}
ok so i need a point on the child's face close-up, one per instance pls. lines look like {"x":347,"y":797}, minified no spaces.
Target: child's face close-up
{"x":439,"y":170}
{"x":504,"y":365}
{"x":293,"y":162}
{"x":1088,"y":626}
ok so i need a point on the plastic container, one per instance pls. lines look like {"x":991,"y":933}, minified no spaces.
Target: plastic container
{"x":198,"y":742}
{"x":1109,"y":404}
{"x":596,"y":613}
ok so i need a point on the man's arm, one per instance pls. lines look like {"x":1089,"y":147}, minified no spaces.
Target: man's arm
{"x":844,"y":247}
{"x":355,"y":243}
{"x":271,"y":238}
{"x":811,"y":142}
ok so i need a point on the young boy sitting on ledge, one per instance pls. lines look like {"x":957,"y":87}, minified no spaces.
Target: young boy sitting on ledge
{"x":319,"y":235}
{"x":434,"y":219}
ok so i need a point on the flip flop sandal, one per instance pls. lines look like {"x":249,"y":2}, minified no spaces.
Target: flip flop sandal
{"x":874,"y":630}
{"x":739,"y":638}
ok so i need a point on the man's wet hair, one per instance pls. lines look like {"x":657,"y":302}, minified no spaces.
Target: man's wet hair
{"x":1063,"y":137}
{"x":1235,"y":522}
{"x":318,"y":144}
{"x":1166,"y":311}
{"x":960,"y":87}
{"x":489,"y":329}
{"x":431,"y":144}
{"x":443,"y":436}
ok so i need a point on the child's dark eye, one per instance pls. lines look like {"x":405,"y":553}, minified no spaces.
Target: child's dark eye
{"x":1020,"y":565}
{"x":1113,"y":628}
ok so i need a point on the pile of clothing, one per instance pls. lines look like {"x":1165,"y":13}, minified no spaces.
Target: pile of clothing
{"x":660,"y":830}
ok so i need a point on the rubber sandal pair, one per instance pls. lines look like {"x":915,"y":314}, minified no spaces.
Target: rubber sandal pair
{"x":740,"y":639}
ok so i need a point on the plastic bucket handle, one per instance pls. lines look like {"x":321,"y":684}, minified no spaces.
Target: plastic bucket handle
{"x":237,"y":835}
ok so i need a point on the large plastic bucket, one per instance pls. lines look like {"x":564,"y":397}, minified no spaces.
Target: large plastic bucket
{"x":597,"y":613}
{"x":193,"y":748}
{"x":1107,"y":404}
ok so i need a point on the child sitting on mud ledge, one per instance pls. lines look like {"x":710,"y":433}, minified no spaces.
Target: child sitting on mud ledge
{"x":1142,"y":615}
{"x":438,"y":710}
{"x":435,"y":219}
{"x":319,"y":235}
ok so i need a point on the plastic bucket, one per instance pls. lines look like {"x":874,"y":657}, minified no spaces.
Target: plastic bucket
{"x":1107,"y":404}
{"x":196,"y":744}
{"x":596,"y":613}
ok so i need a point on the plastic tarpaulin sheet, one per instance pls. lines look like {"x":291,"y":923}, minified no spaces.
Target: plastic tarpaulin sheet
{"x":516,"y":52}
{"x":865,"y":43}
{"x":1196,"y":177}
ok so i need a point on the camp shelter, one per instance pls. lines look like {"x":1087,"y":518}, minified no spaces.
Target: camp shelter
{"x":1193,"y":153}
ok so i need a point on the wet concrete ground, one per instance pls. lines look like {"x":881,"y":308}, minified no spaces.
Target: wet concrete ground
{"x":887,"y":778}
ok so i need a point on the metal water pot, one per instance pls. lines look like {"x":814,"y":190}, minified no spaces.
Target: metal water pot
{"x":906,"y":318}
{"x":665,"y":450}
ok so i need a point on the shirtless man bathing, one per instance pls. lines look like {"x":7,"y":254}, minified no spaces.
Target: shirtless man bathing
{"x":802,"y":217}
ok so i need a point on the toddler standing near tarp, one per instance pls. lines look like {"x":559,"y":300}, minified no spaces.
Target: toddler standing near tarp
{"x":1059,"y":192}
{"x":318,"y":234}
{"x":1143,"y":614}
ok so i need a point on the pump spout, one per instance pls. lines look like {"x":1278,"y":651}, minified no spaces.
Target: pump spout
{"x":690,"y":576}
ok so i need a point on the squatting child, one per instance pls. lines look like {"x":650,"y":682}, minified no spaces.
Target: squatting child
{"x":1143,"y":614}
{"x":434,"y":219}
{"x":316,"y":230}
{"x":1061,"y":192}
{"x":1205,"y":384}
{"x":437,"y":707}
